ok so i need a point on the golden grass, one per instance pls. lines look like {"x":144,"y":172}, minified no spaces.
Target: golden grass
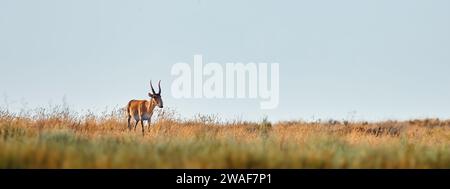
{"x":60,"y":139}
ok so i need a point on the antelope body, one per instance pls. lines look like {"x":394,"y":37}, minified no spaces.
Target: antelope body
{"x":142,"y":110}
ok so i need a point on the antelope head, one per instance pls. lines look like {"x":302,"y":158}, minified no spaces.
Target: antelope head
{"x":156,"y":97}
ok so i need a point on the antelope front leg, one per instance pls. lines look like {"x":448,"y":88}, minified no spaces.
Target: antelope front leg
{"x":149,"y":123}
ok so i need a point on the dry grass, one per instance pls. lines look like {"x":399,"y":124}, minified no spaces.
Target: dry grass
{"x":60,"y":139}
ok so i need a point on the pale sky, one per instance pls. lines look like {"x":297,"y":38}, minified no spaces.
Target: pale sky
{"x":372,"y":60}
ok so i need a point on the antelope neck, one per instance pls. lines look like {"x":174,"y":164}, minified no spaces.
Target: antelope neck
{"x":151,"y":104}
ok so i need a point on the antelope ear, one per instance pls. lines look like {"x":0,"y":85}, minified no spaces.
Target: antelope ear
{"x":151,"y":95}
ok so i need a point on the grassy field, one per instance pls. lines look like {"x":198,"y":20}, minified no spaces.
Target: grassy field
{"x":60,"y":139}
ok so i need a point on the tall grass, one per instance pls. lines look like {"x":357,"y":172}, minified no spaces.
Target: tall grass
{"x":59,"y":138}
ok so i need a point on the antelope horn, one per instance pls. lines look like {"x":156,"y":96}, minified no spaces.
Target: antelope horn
{"x":159,"y":87}
{"x":153,"y":90}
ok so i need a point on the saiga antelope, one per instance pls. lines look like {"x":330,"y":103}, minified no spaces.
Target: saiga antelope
{"x":142,"y":110}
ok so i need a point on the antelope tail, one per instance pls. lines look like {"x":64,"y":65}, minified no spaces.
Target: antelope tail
{"x":126,"y":109}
